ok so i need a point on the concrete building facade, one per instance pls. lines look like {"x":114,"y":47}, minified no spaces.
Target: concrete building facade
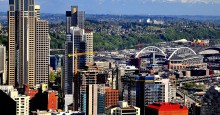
{"x":92,"y":96}
{"x":3,"y":65}
{"x":22,"y":26}
{"x":95,"y":102}
{"x":22,"y":103}
{"x":22,"y":22}
{"x":42,"y":52}
{"x":89,"y":46}
{"x":123,"y":109}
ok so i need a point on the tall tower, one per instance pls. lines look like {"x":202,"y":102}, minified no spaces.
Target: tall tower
{"x":78,"y":40}
{"x":74,"y":15}
{"x":81,"y":19}
{"x":42,"y":52}
{"x":89,"y":46}
{"x":28,"y":44}
{"x":21,"y":23}
{"x":91,"y":100}
{"x":74,"y":39}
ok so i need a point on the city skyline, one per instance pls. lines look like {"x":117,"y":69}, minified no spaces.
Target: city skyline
{"x":131,"y":7}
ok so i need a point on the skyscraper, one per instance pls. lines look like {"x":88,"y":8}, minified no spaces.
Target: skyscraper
{"x":95,"y":99}
{"x":81,"y":19}
{"x":78,"y":40}
{"x":42,"y":52}
{"x":75,"y":43}
{"x":22,"y":26}
{"x":21,"y":23}
{"x":89,"y":46}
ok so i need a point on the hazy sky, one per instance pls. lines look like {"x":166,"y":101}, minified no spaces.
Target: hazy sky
{"x":143,"y":7}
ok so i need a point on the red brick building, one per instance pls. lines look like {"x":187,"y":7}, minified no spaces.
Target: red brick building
{"x":52,"y":100}
{"x":166,"y":109}
{"x":111,"y":97}
{"x":30,"y":92}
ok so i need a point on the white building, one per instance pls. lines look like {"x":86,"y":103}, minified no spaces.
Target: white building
{"x":68,"y":101}
{"x":22,"y":105}
{"x":157,"y":90}
{"x":123,"y":109}
{"x":68,"y":113}
{"x":22,"y":102}
{"x":3,"y":65}
{"x":6,"y":88}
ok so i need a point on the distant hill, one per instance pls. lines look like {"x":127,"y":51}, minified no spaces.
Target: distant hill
{"x":55,"y":18}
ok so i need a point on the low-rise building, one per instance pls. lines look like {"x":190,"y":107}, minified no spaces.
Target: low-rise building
{"x":166,"y":109}
{"x":68,"y":113}
{"x":41,"y":113}
{"x":22,"y":102}
{"x":123,"y":109}
{"x":6,"y":88}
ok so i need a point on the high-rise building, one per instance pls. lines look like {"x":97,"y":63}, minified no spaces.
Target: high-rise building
{"x":78,"y":40}
{"x":95,"y":100}
{"x":42,"y":52}
{"x":22,"y":26}
{"x":81,"y":19}
{"x":3,"y":68}
{"x":89,"y":46}
{"x":88,"y":77}
{"x":143,"y":90}
{"x":21,"y":23}
{"x":72,"y":42}
{"x":157,"y":91}
{"x":91,"y":97}
{"x":74,"y":15}
{"x":111,"y":97}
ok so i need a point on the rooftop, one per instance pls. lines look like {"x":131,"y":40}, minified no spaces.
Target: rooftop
{"x":166,"y":106}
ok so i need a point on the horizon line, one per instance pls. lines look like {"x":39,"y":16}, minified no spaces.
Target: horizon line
{"x":136,"y":14}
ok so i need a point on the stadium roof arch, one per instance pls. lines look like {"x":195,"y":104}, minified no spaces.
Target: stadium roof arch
{"x":151,"y":49}
{"x":182,"y":52}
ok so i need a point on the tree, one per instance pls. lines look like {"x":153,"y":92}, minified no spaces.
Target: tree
{"x":52,"y":76}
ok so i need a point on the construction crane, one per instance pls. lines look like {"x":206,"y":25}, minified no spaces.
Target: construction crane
{"x":76,"y":59}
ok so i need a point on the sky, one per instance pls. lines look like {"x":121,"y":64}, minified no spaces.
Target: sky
{"x":130,"y":7}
